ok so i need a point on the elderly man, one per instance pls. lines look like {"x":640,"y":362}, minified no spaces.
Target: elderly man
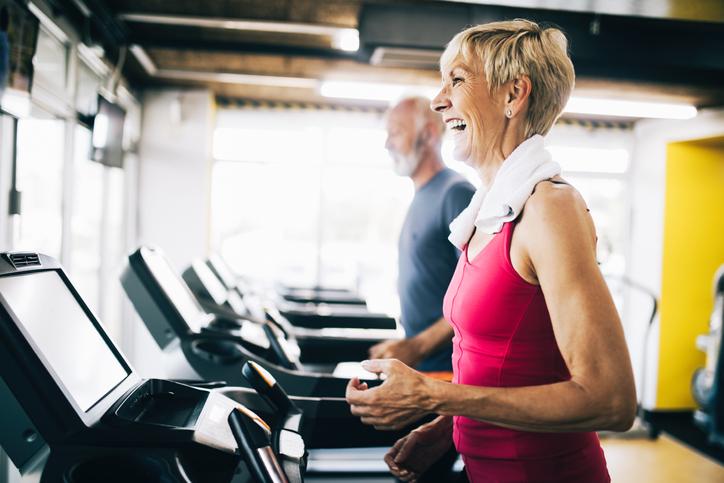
{"x":427,"y":259}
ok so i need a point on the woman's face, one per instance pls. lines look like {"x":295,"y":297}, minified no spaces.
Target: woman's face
{"x":473,"y":116}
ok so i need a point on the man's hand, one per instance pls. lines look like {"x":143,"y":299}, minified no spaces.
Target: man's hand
{"x":414,"y":454}
{"x":401,"y":400}
{"x":407,"y":351}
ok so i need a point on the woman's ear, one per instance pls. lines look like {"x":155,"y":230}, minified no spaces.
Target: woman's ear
{"x":519,"y":90}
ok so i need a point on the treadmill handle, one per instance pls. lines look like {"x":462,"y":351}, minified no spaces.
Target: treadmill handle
{"x":268,"y":388}
{"x":255,"y":446}
{"x":277,"y":348}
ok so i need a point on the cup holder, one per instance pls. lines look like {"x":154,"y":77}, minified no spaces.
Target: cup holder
{"x":121,"y":469}
{"x":218,"y":351}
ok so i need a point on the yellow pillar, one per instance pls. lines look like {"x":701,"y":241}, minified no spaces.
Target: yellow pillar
{"x":692,"y":251}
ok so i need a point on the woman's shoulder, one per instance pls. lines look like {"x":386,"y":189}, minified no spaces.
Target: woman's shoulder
{"x":555,"y":198}
{"x":556,"y":210}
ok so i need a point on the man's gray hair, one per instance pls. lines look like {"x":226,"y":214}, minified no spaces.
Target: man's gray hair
{"x":424,"y":115}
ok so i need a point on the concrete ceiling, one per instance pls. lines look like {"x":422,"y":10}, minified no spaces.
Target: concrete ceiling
{"x":189,"y":52}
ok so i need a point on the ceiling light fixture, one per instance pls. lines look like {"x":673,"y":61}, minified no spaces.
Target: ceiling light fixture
{"x":343,"y":38}
{"x":576,"y":105}
{"x":233,"y":78}
{"x":633,"y":109}
{"x":369,"y":91}
{"x":346,"y":39}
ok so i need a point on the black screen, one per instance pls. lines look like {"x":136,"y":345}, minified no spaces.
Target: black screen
{"x":107,"y":140}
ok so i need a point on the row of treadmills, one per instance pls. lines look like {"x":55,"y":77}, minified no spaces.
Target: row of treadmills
{"x":255,"y":378}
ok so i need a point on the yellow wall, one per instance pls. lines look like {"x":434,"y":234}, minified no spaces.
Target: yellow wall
{"x":693,"y":249}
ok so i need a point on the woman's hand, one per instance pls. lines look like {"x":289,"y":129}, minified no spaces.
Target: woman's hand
{"x":414,"y":454}
{"x":404,"y":397}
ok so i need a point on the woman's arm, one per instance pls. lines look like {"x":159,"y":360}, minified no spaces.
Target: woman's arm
{"x":558,"y":237}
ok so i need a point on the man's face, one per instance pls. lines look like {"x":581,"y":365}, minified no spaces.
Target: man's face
{"x":403,"y":140}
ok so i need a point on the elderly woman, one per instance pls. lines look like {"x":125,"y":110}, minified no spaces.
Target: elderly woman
{"x":540,"y":361}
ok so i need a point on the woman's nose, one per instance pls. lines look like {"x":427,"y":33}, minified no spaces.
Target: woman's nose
{"x":441,"y":101}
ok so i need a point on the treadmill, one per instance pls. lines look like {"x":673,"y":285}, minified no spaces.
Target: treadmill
{"x":74,"y":410}
{"x":310,"y":315}
{"x":317,"y":345}
{"x":320,"y":295}
{"x":197,"y":344}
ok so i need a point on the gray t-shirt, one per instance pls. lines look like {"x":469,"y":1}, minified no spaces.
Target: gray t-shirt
{"x":427,"y":259}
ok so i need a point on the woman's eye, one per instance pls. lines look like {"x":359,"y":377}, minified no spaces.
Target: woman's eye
{"x":456,"y":80}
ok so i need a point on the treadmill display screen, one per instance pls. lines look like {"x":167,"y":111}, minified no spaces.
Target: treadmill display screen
{"x":63,"y":336}
{"x":223,"y":272}
{"x":176,"y":290}
{"x":213,"y":285}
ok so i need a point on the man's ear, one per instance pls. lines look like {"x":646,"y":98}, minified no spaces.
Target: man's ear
{"x":430,"y":134}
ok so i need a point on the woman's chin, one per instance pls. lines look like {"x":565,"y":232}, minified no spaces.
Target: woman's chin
{"x":461,"y":153}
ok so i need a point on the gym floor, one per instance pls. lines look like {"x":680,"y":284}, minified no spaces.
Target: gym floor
{"x":661,"y":461}
{"x":637,"y":460}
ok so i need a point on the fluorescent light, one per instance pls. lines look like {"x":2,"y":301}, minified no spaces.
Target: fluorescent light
{"x":16,"y":103}
{"x":621,"y":108}
{"x":372,"y":91}
{"x":590,"y":160}
{"x":343,"y":38}
{"x":346,"y":39}
{"x":232,"y":78}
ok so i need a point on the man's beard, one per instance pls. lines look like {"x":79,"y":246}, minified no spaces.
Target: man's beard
{"x":406,"y":164}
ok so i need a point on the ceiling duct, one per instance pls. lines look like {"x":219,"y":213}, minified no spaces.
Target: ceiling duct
{"x":657,"y":51}
{"x":410,"y":58}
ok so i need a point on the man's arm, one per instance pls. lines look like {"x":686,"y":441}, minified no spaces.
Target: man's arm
{"x":435,"y":337}
{"x":415,"y":349}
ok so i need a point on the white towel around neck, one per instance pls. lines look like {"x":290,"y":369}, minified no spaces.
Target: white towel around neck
{"x":527,"y":165}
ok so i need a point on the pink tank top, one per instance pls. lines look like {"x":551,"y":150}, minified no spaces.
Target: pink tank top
{"x":504,"y":338}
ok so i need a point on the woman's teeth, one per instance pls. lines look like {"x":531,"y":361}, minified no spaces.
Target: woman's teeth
{"x":456,"y":124}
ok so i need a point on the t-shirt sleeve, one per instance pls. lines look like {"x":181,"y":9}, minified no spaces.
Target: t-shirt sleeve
{"x":456,"y":200}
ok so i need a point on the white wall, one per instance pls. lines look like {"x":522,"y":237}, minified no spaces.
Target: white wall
{"x":175,"y":173}
{"x":6,"y":148}
{"x":174,"y":179}
{"x":648,"y":176}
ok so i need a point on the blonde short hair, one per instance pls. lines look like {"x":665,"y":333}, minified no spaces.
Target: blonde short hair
{"x":510,"y":49}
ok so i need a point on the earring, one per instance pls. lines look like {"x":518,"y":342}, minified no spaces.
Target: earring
{"x":508,"y":113}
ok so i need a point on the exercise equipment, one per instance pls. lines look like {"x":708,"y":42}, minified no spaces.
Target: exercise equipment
{"x":74,"y":410}
{"x":198,"y":344}
{"x":708,"y":381}
{"x":302,"y":315}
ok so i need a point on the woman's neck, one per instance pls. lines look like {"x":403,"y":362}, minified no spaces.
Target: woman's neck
{"x":494,"y":157}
